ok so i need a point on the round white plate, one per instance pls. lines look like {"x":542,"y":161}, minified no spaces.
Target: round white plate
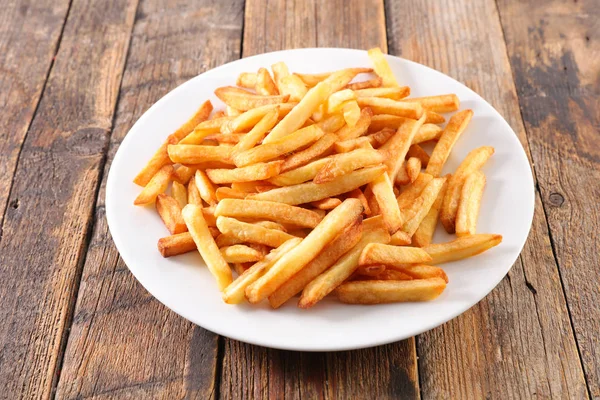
{"x":184,"y":284}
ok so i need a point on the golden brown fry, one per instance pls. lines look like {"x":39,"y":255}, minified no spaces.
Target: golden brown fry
{"x":440,"y":104}
{"x":295,"y":260}
{"x":424,"y":233}
{"x":386,"y":275}
{"x":250,"y":118}
{"x":226,"y":138}
{"x":345,"y":163}
{"x":427,"y":132}
{"x":462,"y":247}
{"x":378,"y":292}
{"x":252,"y":233}
{"x":239,"y":253}
{"x":400,"y":238}
{"x":429,"y":195}
{"x":170,"y":212}
{"x":402,"y":177}
{"x":382,"y":68}
{"x":382,"y":121}
{"x":318,"y":148}
{"x":310,"y":191}
{"x":472,"y":162}
{"x":371,"y":83}
{"x":203,"y":129}
{"x":384,"y":254}
{"x":369,"y":270}
{"x":352,"y":113}
{"x":176,"y":244}
{"x":194,"y":154}
{"x":336,"y":100}
{"x":224,"y":240}
{"x":301,"y":174}
{"x":209,"y":216}
{"x":434,"y":118}
{"x":413,"y":168}
{"x":394,"y":93}
{"x":183,"y":174}
{"x":264,"y":83}
{"x":228,"y":193}
{"x":358,"y":194}
{"x":254,"y":172}
{"x":246,"y":187}
{"x":192,"y":214}
{"x":412,"y":191}
{"x":293,"y":85}
{"x":244,"y":100}
{"x":311,"y":80}
{"x":453,"y":130}
{"x":346,"y":146}
{"x":360,"y":127}
{"x":270,"y":225}
{"x":469,"y":204}
{"x":206,"y":188}
{"x":218,"y":114}
{"x":258,"y":132}
{"x":246,"y":80}
{"x":328,"y":203}
{"x":417,"y":151}
{"x":278,"y":212}
{"x":381,"y":105}
{"x":179,"y":192}
{"x":193,"y":193}
{"x":423,"y":271}
{"x":239,"y":269}
{"x":231,"y":112}
{"x":382,"y":190}
{"x":395,"y":149}
{"x":157,"y":185}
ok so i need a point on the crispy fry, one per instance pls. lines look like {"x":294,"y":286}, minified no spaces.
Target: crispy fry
{"x":440,"y":104}
{"x":311,"y":80}
{"x":264,"y":83}
{"x":295,"y":260}
{"x":239,"y":268}
{"x":239,"y":253}
{"x":194,"y":154}
{"x":294,"y":86}
{"x":423,"y":271}
{"x":193,"y":193}
{"x":157,"y":185}
{"x":394,"y":93}
{"x":360,"y":127}
{"x":176,"y":244}
{"x":226,"y":138}
{"x":310,"y":191}
{"x":232,"y":112}
{"x":251,"y":232}
{"x":224,"y":240}
{"x":381,"y":105}
{"x":395,"y":149}
{"x":244,"y":100}
{"x":429,"y":195}
{"x":328,"y":203}
{"x":346,"y":146}
{"x":386,"y":275}
{"x":413,"y":168}
{"x":183,"y":173}
{"x":427,"y":132}
{"x":383,"y":192}
{"x":336,"y":100}
{"x":193,"y":217}
{"x":345,"y":163}
{"x":472,"y":162}
{"x":206,"y":188}
{"x":315,"y":150}
{"x":179,"y":192}
{"x":371,"y":83}
{"x":469,"y":204}
{"x":384,"y":254}
{"x":246,"y":80}
{"x":270,"y":225}
{"x":417,"y":151}
{"x":170,"y":212}
{"x":228,"y":193}
{"x":369,"y":270}
{"x":378,"y":292}
{"x":453,"y":130}
{"x":412,"y":191}
{"x":299,"y":175}
{"x":278,"y":212}
{"x":382,"y":68}
{"x":424,"y":233}
{"x":258,"y":132}
{"x":402,"y":177}
{"x":400,"y":238}
{"x":462,"y":247}
{"x":254,"y":172}
{"x":382,"y":121}
{"x":358,"y":194}
{"x":352,"y":113}
{"x":246,"y":187}
{"x":434,"y":118}
{"x":204,"y":129}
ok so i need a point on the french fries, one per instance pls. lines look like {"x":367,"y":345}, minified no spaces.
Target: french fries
{"x":271,"y":186}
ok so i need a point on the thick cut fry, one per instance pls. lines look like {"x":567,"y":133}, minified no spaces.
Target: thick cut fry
{"x":170,"y":212}
{"x":424,"y":233}
{"x":327,"y":204}
{"x":228,"y":193}
{"x":160,"y":158}
{"x":246,"y":187}
{"x":157,"y":185}
{"x":395,"y":149}
{"x":258,"y":132}
{"x":226,"y":138}
{"x":440,"y":104}
{"x":345,"y":163}
{"x":427,"y":132}
{"x":264,"y":83}
{"x":310,"y":191}
{"x":299,"y":175}
{"x":239,"y":253}
{"x":360,"y":127}
{"x":375,"y":140}
{"x":382,"y":68}
{"x":400,"y":238}
{"x":358,"y":194}
{"x":351,"y":112}
{"x":204,"y":129}
{"x":453,"y":130}
{"x":384,"y":254}
{"x":413,"y":168}
{"x":469,"y":204}
{"x":462,"y":247}
{"x":434,"y":118}
{"x":417,"y":151}
{"x":386,"y":106}
{"x":472,"y":162}
{"x":311,"y":80}
{"x":330,"y":254}
{"x":371,"y":83}
{"x":176,"y":244}
{"x":254,"y":172}
{"x":378,"y":292}
{"x":250,"y":118}
{"x":295,"y":260}
{"x":206,"y":188}
{"x":192,"y":214}
{"x":271,"y":225}
{"x":382,"y":121}
{"x":383,"y":192}
{"x":269,"y":151}
{"x":193,"y":193}
{"x":394,"y":93}
{"x":412,"y":191}
{"x":243,"y":100}
{"x":402,"y":177}
{"x":251,"y":232}
{"x":183,"y":174}
{"x":337,"y":100}
{"x":325,"y":283}
{"x":179,"y":193}
{"x":273,"y":211}
{"x":224,"y":240}
{"x":369,"y":270}
{"x":429,"y":195}
{"x":318,"y":148}
{"x":293,"y":85}
{"x":309,"y":103}
{"x":194,"y":154}
{"x":423,"y":271}
{"x":234,"y":293}
{"x":332,"y":123}
{"x":247,"y":80}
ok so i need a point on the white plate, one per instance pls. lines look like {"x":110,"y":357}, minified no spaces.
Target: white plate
{"x":183,"y":283}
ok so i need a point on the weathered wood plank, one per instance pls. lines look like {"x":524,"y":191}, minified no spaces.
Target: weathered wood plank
{"x":553,"y":48}
{"x":124,"y":343}
{"x":29,"y":36}
{"x":54,"y":192}
{"x":256,"y":372}
{"x":518,"y":342}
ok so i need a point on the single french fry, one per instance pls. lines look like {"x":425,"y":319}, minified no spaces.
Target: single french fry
{"x":179,"y":193}
{"x":382,"y":68}
{"x":462,"y":247}
{"x":381,"y":105}
{"x":395,"y":149}
{"x":246,"y":80}
{"x":402,"y":177}
{"x":294,"y":86}
{"x":369,"y":270}
{"x":295,"y":260}
{"x":269,"y":151}
{"x":429,"y":195}
{"x":417,"y":151}
{"x":264,"y":83}
{"x":371,"y":83}
{"x":198,"y":228}
{"x":394,"y":93}
{"x":246,"y":187}
{"x":378,"y":292}
{"x":400,"y":238}
{"x":442,"y":149}
{"x":239,"y":253}
{"x":204,"y":129}
{"x":224,"y":240}
{"x":234,"y":293}
{"x":301,"y":174}
{"x":440,"y":104}
{"x":176,"y":244}
{"x":434,"y":118}
{"x":327,"y":257}
{"x":254,"y":172}
{"x":270,"y":225}
{"x":352,"y":113}
{"x":345,"y":163}
{"x":226,"y":138}
{"x":157,"y":185}
{"x":427,"y":132}
{"x":424,"y":233}
{"x":360,"y":127}
{"x":469,"y":204}
{"x":387,"y":275}
{"x":332,"y":123}
{"x":273,"y":211}
{"x":250,"y":118}
{"x":383,"y":121}
{"x":472,"y":162}
{"x":232,"y":112}
{"x":358,"y":194}
{"x":244,"y":100}
{"x":327,"y":204}
{"x":251,"y":232}
{"x":228,"y":193}
{"x":336,"y":100}
{"x":258,"y":132}
{"x":193,"y":193}
{"x":413,"y":168}
{"x":384,"y":254}
{"x":183,"y":174}
{"x":325,"y":283}
{"x":209,"y":215}
{"x":169,"y":211}
{"x":422,"y":271}
{"x":311,"y":80}
{"x":310,"y":191}
{"x":412,"y":191}
{"x":239,"y":268}
{"x":206,"y":188}
{"x":382,"y":190}
{"x":194,"y":154}
{"x":318,"y":148}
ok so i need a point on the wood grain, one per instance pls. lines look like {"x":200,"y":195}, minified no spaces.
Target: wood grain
{"x":517,"y":342}
{"x":554,"y":48}
{"x":29,"y":36}
{"x":55,"y":188}
{"x":123,"y":342}
{"x":256,"y":372}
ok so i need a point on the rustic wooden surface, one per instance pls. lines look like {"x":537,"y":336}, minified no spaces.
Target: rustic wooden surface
{"x":74,"y":77}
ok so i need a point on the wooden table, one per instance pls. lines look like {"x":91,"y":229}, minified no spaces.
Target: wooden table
{"x":75,"y":75}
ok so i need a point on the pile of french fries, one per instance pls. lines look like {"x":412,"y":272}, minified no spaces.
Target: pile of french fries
{"x":314,"y":184}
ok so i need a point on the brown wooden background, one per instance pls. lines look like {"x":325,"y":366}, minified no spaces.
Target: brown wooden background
{"x":76,"y":74}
